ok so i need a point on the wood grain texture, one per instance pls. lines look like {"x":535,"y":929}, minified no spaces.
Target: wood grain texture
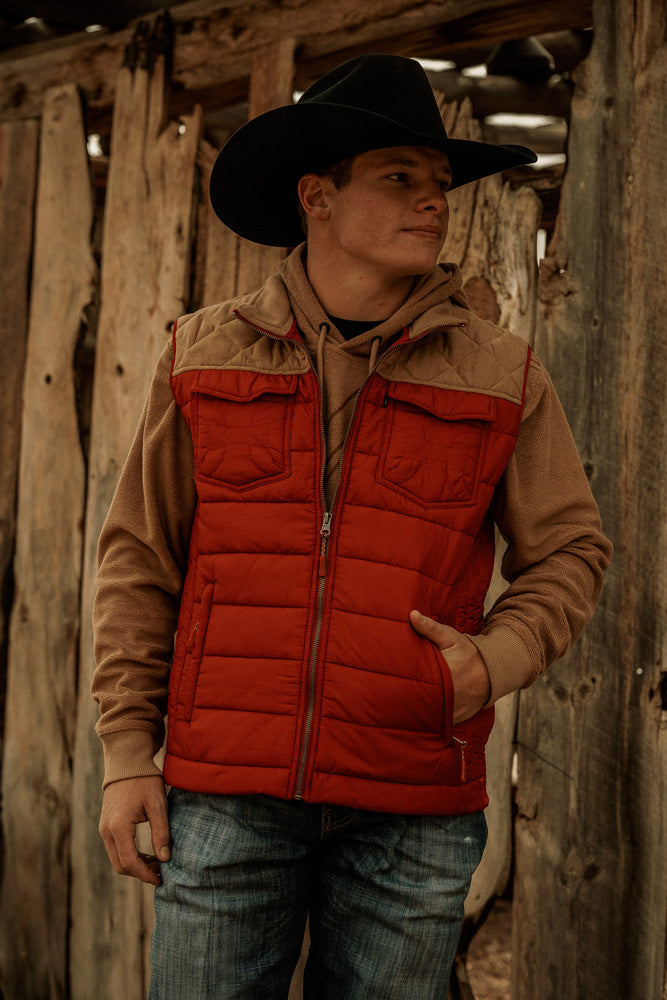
{"x":217,"y":258}
{"x":41,"y":693}
{"x":18,"y":173}
{"x":144,"y":288}
{"x":228,"y":265}
{"x":214,"y":42}
{"x":271,"y":86}
{"x":492,"y":238}
{"x":591,"y":874}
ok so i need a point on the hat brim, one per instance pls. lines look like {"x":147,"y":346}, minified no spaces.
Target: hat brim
{"x":254,"y":179}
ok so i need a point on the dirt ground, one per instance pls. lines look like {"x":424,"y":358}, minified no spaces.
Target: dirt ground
{"x":490,"y":955}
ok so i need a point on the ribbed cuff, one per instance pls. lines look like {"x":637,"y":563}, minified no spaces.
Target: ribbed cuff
{"x":508,"y":661}
{"x":128,"y":753}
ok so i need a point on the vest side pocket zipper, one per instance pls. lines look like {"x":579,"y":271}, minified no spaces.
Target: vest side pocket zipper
{"x":192,"y":638}
{"x":196,"y":649}
{"x":462,"y":744}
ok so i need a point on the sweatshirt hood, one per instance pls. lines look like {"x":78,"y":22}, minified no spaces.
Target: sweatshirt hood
{"x":435,"y":299}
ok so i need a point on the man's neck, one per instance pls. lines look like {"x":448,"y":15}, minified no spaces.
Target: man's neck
{"x":356,"y":294}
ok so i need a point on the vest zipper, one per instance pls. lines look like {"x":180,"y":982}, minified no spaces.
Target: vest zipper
{"x":325,"y":532}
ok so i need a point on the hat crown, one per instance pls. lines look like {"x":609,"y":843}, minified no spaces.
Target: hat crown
{"x":393,"y":87}
{"x":370,"y":102}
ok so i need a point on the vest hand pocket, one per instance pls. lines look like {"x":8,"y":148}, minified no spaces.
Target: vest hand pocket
{"x":193,"y":655}
{"x":445,"y":675}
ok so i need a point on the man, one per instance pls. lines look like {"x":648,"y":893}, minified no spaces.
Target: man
{"x":310,"y":499}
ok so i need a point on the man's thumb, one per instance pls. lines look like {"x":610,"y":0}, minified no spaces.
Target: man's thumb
{"x":159,"y":823}
{"x":421,"y":623}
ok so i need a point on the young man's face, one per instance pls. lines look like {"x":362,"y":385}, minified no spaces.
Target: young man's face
{"x":392,"y":214}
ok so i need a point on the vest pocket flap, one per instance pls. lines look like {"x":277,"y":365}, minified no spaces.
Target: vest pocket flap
{"x":447,"y":404}
{"x":242,"y":428}
{"x":244,"y":386}
{"x":433,"y":443}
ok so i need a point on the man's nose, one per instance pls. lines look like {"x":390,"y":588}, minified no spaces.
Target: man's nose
{"x":432,"y":198}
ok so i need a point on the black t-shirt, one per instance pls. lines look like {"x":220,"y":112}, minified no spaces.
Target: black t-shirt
{"x":351,"y":328}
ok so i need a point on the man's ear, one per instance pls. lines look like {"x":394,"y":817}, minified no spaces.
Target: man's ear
{"x":314,"y":196}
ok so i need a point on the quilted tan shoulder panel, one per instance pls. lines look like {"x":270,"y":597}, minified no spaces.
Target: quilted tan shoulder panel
{"x":477,"y":356}
{"x":216,"y":338}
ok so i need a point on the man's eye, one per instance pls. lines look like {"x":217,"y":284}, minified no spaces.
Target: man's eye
{"x":398,"y":176}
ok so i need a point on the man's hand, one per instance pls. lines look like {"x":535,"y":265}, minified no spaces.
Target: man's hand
{"x":472,"y":687}
{"x":127,"y":803}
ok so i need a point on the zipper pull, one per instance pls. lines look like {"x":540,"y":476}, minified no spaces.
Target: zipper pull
{"x":463,"y":744}
{"x":325,"y":531}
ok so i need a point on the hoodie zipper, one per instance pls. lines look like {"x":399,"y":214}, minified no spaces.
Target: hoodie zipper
{"x":325,"y":532}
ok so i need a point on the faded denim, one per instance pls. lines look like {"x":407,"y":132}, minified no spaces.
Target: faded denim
{"x":385,"y":894}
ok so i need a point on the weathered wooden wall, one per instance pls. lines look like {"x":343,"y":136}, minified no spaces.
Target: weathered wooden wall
{"x":18,"y":164}
{"x":492,"y":237}
{"x":590,"y":878}
{"x":144,"y":289}
{"x":591,"y":864}
{"x":217,"y":39}
{"x":42,"y":674}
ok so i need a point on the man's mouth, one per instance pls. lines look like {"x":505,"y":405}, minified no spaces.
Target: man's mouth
{"x":429,"y":232}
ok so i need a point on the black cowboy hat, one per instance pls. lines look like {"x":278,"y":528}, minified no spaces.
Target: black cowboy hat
{"x":370,"y":102}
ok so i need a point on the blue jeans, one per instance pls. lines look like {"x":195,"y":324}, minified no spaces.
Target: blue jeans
{"x":385,"y":895}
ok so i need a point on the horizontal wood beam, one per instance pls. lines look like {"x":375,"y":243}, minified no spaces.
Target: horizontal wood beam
{"x":456,"y":39}
{"x":214,"y":41}
{"x":545,"y":139}
{"x":504,"y":93}
{"x":487,"y":97}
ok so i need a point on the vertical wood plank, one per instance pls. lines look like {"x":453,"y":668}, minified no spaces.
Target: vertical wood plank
{"x":591,"y":882}
{"x":18,"y":172}
{"x":144,"y":287}
{"x":234,"y":266}
{"x":492,"y":237}
{"x":218,"y":263}
{"x":271,"y":86}
{"x":41,"y":694}
{"x":272,"y":76}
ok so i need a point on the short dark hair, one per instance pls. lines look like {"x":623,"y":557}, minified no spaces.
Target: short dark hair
{"x":338,"y":173}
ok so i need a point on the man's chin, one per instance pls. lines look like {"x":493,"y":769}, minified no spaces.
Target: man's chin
{"x":420,"y":265}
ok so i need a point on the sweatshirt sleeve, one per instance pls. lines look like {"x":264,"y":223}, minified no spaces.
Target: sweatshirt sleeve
{"x":556,"y":552}
{"x":142,"y":560}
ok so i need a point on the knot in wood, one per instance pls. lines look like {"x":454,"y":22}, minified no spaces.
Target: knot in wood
{"x":554,"y":280}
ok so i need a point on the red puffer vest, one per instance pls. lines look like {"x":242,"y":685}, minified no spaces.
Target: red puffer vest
{"x":296,"y":672}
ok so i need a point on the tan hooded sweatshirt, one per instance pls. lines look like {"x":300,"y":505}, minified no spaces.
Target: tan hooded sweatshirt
{"x":543,"y":506}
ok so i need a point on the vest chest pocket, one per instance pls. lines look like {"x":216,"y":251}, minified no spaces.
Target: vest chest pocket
{"x":433,"y":443}
{"x":243,"y":429}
